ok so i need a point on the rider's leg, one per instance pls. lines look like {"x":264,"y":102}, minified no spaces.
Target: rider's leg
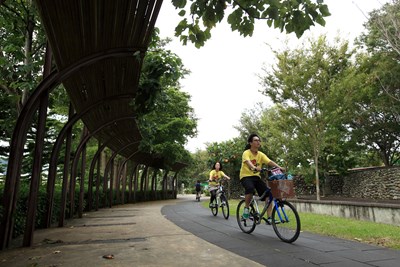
{"x":269,"y":210}
{"x":247,"y":199}
{"x":261,"y":187}
{"x":213,"y":195}
{"x":248,"y":185}
{"x":268,"y":199}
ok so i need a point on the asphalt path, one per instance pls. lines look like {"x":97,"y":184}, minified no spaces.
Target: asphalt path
{"x":264,"y":247}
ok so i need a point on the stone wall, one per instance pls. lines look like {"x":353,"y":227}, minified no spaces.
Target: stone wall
{"x":374,"y":212}
{"x":371,"y":183}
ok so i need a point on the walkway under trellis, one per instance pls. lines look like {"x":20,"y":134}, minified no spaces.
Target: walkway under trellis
{"x":98,"y":47}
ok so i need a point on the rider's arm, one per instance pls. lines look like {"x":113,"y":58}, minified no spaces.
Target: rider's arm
{"x":227,"y":177}
{"x":251,"y":166}
{"x":273,"y":164}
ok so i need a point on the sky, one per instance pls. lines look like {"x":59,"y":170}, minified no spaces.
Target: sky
{"x":224,"y":80}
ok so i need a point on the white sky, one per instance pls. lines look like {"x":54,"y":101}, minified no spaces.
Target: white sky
{"x":223,"y":82}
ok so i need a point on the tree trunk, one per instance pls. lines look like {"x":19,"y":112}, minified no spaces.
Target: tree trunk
{"x":316,"y":155}
{"x":30,"y":25}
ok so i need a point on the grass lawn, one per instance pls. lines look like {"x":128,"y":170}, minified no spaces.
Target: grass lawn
{"x":363,"y":231}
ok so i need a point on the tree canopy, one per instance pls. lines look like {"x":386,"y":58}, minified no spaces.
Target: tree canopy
{"x":200,"y":16}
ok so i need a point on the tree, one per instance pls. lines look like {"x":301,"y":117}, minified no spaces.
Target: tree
{"x":22,"y":43}
{"x":383,"y":36}
{"x":377,"y":118}
{"x":303,"y":83}
{"x":165,"y":119}
{"x":22,"y":50}
{"x":290,"y":16}
{"x":198,"y":169}
{"x":266,"y":123}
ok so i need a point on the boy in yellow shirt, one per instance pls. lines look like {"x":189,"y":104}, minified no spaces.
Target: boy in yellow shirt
{"x":250,"y":178}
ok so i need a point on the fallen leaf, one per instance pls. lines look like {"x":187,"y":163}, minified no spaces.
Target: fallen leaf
{"x":109,"y":257}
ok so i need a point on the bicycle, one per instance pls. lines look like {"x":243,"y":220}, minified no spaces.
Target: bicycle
{"x":285,"y":219}
{"x":220,"y":201}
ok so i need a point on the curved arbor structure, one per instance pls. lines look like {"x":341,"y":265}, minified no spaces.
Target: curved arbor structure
{"x":98,"y":47}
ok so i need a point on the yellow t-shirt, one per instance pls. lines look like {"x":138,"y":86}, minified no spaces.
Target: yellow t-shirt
{"x":215,"y":177}
{"x":257,"y":160}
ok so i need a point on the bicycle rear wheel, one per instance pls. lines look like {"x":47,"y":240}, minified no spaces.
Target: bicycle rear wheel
{"x":214,"y":207}
{"x":246,"y":225}
{"x":286,"y":221}
{"x":225,"y":207}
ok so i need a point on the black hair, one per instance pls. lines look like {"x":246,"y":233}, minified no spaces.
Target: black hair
{"x":220,"y":165}
{"x":250,"y":139}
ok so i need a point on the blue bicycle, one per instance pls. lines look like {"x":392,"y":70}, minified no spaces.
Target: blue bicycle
{"x":284,"y":217}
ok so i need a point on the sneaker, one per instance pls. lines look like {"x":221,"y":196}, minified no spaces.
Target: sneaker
{"x":269,"y":221}
{"x":246,"y":213}
{"x":211,"y":205}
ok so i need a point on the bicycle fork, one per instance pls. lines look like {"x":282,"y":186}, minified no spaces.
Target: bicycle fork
{"x":281,"y":209}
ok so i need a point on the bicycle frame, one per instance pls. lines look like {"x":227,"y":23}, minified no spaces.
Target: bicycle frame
{"x":284,"y":217}
{"x":271,"y":200}
{"x":221,"y":202}
{"x":220,"y":192}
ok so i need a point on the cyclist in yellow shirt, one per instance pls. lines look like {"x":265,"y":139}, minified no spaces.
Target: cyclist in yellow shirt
{"x":216,"y":174}
{"x":250,"y":178}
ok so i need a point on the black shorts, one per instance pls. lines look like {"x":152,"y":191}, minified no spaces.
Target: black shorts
{"x":251,"y":183}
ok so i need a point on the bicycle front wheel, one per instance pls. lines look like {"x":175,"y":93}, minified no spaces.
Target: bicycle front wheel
{"x":214,"y":207}
{"x":225,"y":207}
{"x":246,"y":225}
{"x":286,"y":221}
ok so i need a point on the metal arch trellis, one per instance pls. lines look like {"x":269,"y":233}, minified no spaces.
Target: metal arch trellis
{"x":79,"y":150}
{"x":139,"y":35}
{"x":22,"y":126}
{"x":95,"y":160}
{"x":57,"y":147}
{"x":108,"y":167}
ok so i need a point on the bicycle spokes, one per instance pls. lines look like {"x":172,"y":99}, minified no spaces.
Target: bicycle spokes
{"x":246,"y":225}
{"x":286,"y":222}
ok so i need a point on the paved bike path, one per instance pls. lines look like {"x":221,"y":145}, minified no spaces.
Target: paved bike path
{"x":264,"y":247}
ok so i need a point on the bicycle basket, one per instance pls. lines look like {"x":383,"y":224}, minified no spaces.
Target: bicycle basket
{"x":282,"y":188}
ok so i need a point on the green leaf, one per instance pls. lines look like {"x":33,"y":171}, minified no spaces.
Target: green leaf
{"x":320,"y":20}
{"x":182,"y":26}
{"x":182,"y":13}
{"x":209,"y":19}
{"x":324,"y":10}
{"x":179,"y":3}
